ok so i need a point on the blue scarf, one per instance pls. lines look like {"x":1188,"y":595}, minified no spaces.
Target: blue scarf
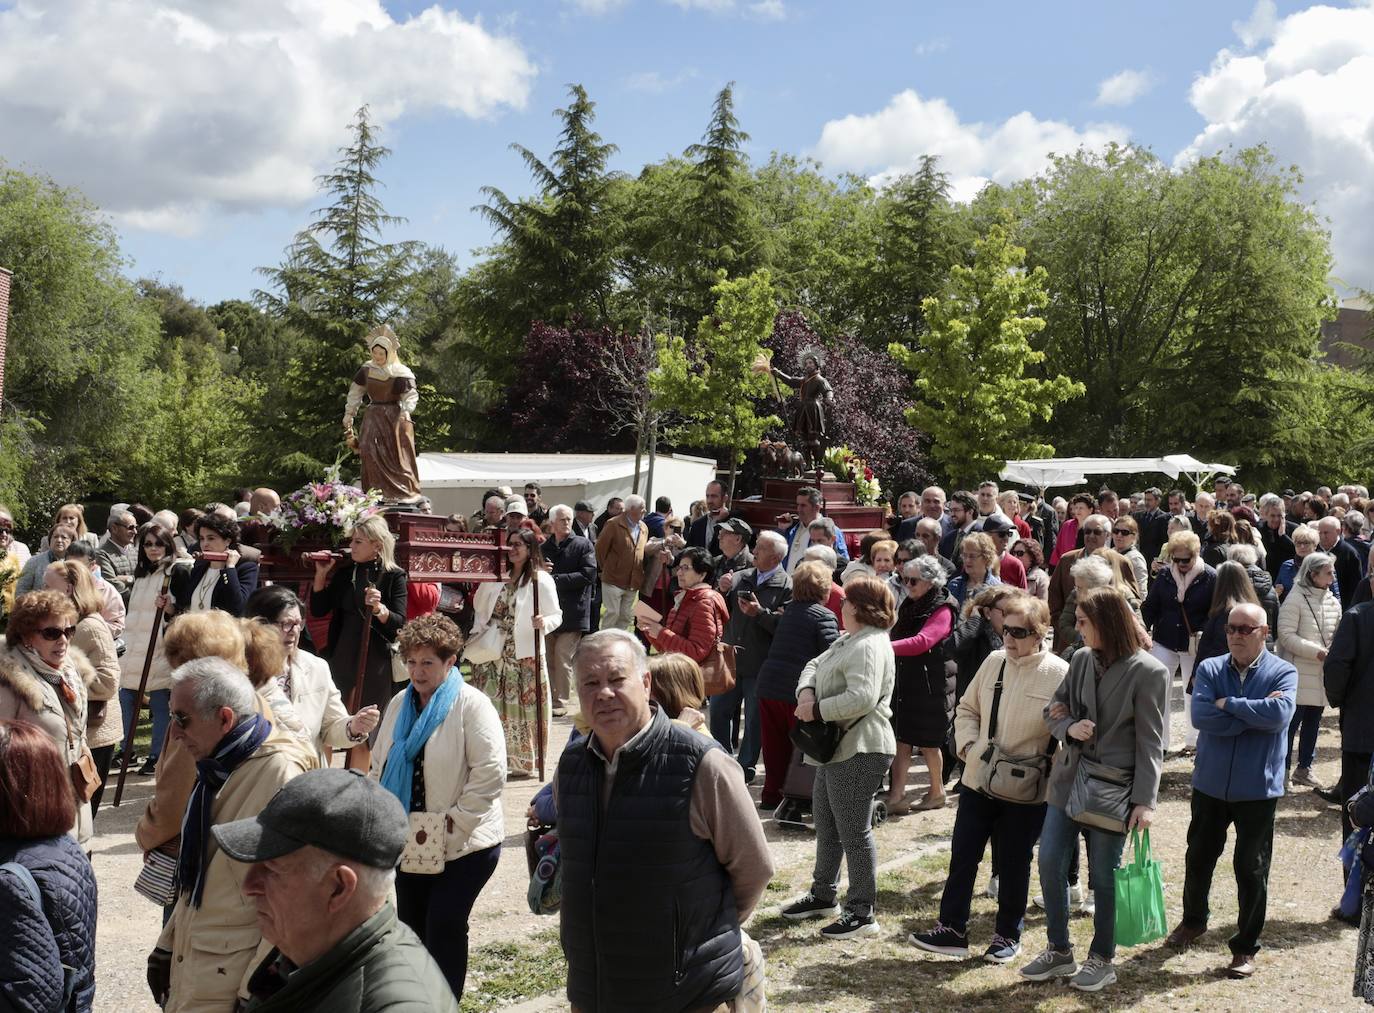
{"x":412,"y":731}
{"x":242,"y":742}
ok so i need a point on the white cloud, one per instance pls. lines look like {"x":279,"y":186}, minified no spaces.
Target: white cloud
{"x":652,"y":82}
{"x":164,"y":113}
{"x":595,"y":7}
{"x":763,"y":10}
{"x":930,"y":47}
{"x":1306,"y":95}
{"x":768,"y":10}
{"x":892,"y":141}
{"x":1124,"y":88}
{"x":1260,"y":25}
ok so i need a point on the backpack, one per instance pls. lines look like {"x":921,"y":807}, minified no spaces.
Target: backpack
{"x":26,"y":880}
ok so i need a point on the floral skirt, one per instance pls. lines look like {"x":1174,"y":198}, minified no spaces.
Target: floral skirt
{"x":510,"y":684}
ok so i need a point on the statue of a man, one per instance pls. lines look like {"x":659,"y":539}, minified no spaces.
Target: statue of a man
{"x":816,"y":399}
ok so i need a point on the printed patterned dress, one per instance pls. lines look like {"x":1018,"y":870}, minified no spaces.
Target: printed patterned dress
{"x":510,"y":683}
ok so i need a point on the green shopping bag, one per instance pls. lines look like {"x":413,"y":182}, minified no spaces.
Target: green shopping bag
{"x":1139,"y":896}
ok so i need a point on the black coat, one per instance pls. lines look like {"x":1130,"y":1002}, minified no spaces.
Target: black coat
{"x":574,"y":574}
{"x":804,"y":631}
{"x":753,"y":635}
{"x":1154,"y":532}
{"x":1348,"y":675}
{"x":231,"y":592}
{"x":1278,"y":546}
{"x":342,"y":599}
{"x":1349,"y":570}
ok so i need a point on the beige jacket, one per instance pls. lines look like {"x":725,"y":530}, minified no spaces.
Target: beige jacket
{"x":1308,"y":619}
{"x":216,"y":946}
{"x":621,"y":558}
{"x":465,"y":770}
{"x":1027,"y":687}
{"x":138,"y":628}
{"x":317,"y":704}
{"x":93,"y":638}
{"x":24,"y":696}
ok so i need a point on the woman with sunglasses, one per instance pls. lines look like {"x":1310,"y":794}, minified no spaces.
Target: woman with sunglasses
{"x":1031,"y":555}
{"x":1017,"y":683}
{"x":1125,"y":534}
{"x":1175,"y":612}
{"x":1308,"y":619}
{"x":43,"y":679}
{"x":156,"y":557}
{"x":923,"y":700}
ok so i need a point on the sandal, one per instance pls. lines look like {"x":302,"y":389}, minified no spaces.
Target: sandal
{"x":898,"y":808}
{"x":931,"y":802}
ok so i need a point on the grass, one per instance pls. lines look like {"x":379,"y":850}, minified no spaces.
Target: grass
{"x":500,"y":974}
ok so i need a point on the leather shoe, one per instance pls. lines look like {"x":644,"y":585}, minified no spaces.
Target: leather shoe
{"x":1241,"y":967}
{"x":1183,"y":936}
{"x":1332,"y":794}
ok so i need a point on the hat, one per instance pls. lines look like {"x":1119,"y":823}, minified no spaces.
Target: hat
{"x":738,"y":526}
{"x":335,"y":810}
{"x":1025,"y":497}
{"x":583,"y":506}
{"x":516,"y":505}
{"x":996,"y":524}
{"x":1288,"y":493}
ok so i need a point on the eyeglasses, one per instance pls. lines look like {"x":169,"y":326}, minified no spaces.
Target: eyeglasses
{"x":120,"y":524}
{"x":911,"y":581}
{"x":1017,"y":632}
{"x":1182,"y":560}
{"x":289,"y":625}
{"x":6,"y":526}
{"x":180,"y":719}
{"x":1122,"y":531}
{"x":1232,"y":630}
{"x":55,"y":633}
{"x":153,"y":545}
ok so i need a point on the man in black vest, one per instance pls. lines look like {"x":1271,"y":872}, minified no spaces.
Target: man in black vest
{"x":659,"y":841}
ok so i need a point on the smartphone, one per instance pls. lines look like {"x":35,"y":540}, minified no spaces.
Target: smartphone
{"x":748,"y":596}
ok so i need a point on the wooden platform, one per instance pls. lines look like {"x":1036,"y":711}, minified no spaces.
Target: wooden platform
{"x":837,"y":502}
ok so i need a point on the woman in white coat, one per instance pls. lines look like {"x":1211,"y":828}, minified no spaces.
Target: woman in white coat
{"x":441,"y":751}
{"x":317,"y":715}
{"x":505,"y":628}
{"x":156,"y":556}
{"x":1308,"y":619}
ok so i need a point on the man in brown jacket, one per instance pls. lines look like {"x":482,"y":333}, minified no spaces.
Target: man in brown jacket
{"x":1096,"y":530}
{"x":620,"y":554}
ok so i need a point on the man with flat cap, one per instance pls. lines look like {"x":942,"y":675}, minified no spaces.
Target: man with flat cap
{"x":733,"y":537}
{"x":324,"y":853}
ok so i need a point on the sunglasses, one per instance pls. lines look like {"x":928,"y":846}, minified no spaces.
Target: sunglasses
{"x":911,"y":581}
{"x":55,"y":633}
{"x":1122,"y":531}
{"x":180,"y":719}
{"x":6,"y":527}
{"x":1233,"y":630}
{"x":1017,"y":632}
{"x":1094,"y":531}
{"x":152,"y":545}
{"x":1182,"y":560}
{"x":1019,"y":552}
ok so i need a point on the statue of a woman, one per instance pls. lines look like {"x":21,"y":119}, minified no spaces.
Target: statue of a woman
{"x":386,"y":443}
{"x":815,"y":400}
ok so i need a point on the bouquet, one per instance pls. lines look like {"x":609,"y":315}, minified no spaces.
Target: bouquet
{"x":846,"y":465}
{"x":322,"y":511}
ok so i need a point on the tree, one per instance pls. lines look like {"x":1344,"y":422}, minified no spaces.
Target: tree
{"x":711,"y":383}
{"x":973,"y":396}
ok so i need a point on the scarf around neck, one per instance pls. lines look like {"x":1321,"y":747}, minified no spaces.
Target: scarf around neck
{"x":241,"y":742}
{"x":412,"y":730}
{"x":1182,"y":579}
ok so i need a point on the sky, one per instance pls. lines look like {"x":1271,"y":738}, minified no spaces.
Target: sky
{"x":199,"y":126}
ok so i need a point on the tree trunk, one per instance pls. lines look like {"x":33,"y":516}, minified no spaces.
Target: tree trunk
{"x":730,"y":484}
{"x":653,"y":456}
{"x":639,"y":456}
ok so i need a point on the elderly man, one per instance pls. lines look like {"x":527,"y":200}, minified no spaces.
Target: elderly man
{"x":928,"y":534}
{"x":1349,"y":564}
{"x":1242,"y":703}
{"x":493,"y":512}
{"x":704,"y":532}
{"x":571,"y":559}
{"x":1095,"y":530}
{"x":117,"y":555}
{"x":798,"y":534}
{"x":659,"y":842}
{"x":584,"y":520}
{"x":756,"y":600}
{"x":212,"y":941}
{"x":734,"y":554}
{"x":620,"y":554}
{"x":322,"y":857}
{"x":1276,"y":533}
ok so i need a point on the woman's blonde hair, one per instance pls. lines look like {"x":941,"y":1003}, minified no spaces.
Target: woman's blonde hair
{"x":375,"y":530}
{"x":675,"y":681}
{"x":263,"y":652}
{"x":83,"y":593}
{"x":1037,"y":613}
{"x":811,"y":581}
{"x":1184,"y":540}
{"x":74,"y":508}
{"x":989,"y":597}
{"x":1306,"y":534}
{"x":982,"y":545}
{"x":212,"y":634}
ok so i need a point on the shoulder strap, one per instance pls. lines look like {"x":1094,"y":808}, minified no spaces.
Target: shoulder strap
{"x":26,"y":880}
{"x":996,"y":701}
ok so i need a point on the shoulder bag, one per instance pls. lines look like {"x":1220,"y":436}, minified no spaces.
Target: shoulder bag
{"x":1100,"y":795}
{"x":157,"y":879}
{"x":483,"y":648}
{"x":1010,"y":778}
{"x":818,"y":739}
{"x":718,"y":669}
{"x":424,"y":850}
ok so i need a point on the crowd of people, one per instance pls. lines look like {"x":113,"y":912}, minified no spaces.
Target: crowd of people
{"x":1029,"y":651}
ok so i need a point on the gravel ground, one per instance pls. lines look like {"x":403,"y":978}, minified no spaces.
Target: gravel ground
{"x":1306,"y":964}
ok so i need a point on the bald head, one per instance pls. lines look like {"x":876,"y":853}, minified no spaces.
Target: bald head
{"x":1246,"y":630}
{"x":263,"y":501}
{"x":1328,"y":531}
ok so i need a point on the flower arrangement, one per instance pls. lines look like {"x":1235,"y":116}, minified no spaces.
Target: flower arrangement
{"x":849,"y":466}
{"x":322,"y":511}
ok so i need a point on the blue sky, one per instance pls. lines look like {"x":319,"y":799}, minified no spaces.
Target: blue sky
{"x":201,"y":134}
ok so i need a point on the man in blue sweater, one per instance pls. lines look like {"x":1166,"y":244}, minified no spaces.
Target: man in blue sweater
{"x":1242,"y":703}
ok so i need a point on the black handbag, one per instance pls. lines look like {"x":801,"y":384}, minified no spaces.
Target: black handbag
{"x":818,"y":739}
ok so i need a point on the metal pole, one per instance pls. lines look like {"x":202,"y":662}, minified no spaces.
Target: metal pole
{"x":142,"y":686}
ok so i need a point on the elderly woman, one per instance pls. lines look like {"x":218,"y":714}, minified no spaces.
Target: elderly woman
{"x":441,"y":751}
{"x":60,"y":538}
{"x":156,"y":557}
{"x":1305,"y":541}
{"x":923,"y":700}
{"x":877,"y":557}
{"x":510,"y":680}
{"x":1307,"y":621}
{"x":93,"y":639}
{"x":1125,"y":535}
{"x":44,"y":680}
{"x":1109,"y":709}
{"x":223,"y":584}
{"x":1002,"y":712}
{"x":1087,"y":572}
{"x":369,"y":588}
{"x":1032,"y":556}
{"x":49,"y":948}
{"x":979,"y":557}
{"x":697,"y":619}
{"x":805,"y":630}
{"x":320,"y":717}
{"x":1175,"y":611}
{"x":851,"y":685}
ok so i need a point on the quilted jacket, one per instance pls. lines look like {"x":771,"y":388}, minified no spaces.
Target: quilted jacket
{"x":38,"y":943}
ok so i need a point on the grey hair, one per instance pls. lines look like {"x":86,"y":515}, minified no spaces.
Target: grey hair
{"x":927,"y":523}
{"x":1245,"y":555}
{"x":926,"y":568}
{"x":561,"y":510}
{"x":633,"y":502}
{"x":1094,"y":571}
{"x":822,"y":554}
{"x":214,"y":684}
{"x":1270,"y":499}
{"x":1101,"y":520}
{"x":1306,"y":534}
{"x":774,"y":539}
{"x":1311,"y":563}
{"x":1355,"y":521}
{"x":119,"y":515}
{"x":1178,"y":522}
{"x":373,"y":883}
{"x":603,"y":640}
{"x":826,"y":523}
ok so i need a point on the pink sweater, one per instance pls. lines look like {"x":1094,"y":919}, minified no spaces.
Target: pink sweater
{"x":937,"y":627}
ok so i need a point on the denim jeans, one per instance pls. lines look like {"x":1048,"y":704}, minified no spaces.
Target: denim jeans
{"x":725,"y":708}
{"x":1307,"y":721}
{"x":1058,"y":844}
{"x":1013,"y":828}
{"x":159,"y":704}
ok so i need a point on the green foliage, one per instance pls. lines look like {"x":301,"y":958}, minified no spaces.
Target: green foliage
{"x":711,"y":384}
{"x":973,"y":395}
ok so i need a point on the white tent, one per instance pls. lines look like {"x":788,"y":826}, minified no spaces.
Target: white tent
{"x":455,"y":482}
{"x":1059,"y":472}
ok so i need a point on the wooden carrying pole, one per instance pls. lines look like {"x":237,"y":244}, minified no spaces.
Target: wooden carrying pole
{"x":360,"y":756}
{"x":142,"y":686}
{"x":538,"y":685}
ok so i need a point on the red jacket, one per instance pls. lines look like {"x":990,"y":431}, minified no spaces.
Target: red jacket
{"x":695,"y":624}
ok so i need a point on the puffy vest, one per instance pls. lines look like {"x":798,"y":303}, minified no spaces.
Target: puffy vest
{"x":648,"y":913}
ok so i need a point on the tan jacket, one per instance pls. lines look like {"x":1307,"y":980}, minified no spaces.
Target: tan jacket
{"x":1027,"y":687}
{"x":216,"y":946}
{"x":94,"y":639}
{"x":621,"y":558}
{"x":24,"y":696}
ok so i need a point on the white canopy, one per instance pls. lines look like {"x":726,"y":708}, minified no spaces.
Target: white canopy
{"x":1057,"y":472}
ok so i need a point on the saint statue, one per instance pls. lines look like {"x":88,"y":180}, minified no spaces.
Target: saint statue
{"x":386,"y":444}
{"x":815,"y":401}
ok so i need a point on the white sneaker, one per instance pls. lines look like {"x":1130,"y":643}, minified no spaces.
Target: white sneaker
{"x":1088,"y":905}
{"x":991,"y":889}
{"x":1075,"y":897}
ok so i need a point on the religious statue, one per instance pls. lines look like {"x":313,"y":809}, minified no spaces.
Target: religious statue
{"x":386,"y":443}
{"x":815,"y":401}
